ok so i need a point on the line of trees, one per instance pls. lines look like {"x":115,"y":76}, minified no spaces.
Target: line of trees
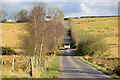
{"x":20,"y":16}
{"x":43,"y":37}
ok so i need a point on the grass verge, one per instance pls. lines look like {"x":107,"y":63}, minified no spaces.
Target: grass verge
{"x":53,"y":68}
{"x":103,"y":69}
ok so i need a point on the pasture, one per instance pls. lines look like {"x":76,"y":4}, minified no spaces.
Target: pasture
{"x":106,"y":28}
{"x":11,"y":34}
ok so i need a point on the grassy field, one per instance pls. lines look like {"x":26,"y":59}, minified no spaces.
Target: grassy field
{"x":10,"y":34}
{"x":106,"y":28}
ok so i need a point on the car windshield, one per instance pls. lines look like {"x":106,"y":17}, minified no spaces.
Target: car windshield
{"x":66,"y":44}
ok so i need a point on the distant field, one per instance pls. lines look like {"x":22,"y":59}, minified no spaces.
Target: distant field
{"x":107,"y":28}
{"x":10,"y":34}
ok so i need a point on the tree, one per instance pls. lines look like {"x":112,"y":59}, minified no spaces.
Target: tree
{"x":22,"y":15}
{"x":9,"y":17}
{"x":3,"y":14}
{"x":32,"y":42}
{"x":57,"y":16}
{"x":54,"y":35}
{"x":15,"y":15}
{"x":55,"y":12}
{"x":40,"y":37}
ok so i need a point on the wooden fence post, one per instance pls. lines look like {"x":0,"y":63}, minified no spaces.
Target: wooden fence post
{"x":31,"y":67}
{"x":37,"y":64}
{"x":32,"y":62}
{"x":42,"y":64}
{"x":45,"y":65}
{"x":12,"y":64}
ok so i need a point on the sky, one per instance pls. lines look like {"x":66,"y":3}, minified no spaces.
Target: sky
{"x":71,"y":8}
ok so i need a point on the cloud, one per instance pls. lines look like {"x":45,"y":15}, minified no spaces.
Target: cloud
{"x":87,"y":10}
{"x":70,"y":8}
{"x":10,"y":4}
{"x":60,"y":0}
{"x":17,"y":0}
{"x":99,"y":8}
{"x":94,"y":9}
{"x":54,"y":4}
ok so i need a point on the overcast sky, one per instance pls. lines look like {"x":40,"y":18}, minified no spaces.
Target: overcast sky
{"x":71,"y":8}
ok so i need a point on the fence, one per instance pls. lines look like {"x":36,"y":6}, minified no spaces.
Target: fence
{"x":27,"y":64}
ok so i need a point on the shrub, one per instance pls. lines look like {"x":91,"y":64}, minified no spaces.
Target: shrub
{"x":3,"y":21}
{"x":8,"y":51}
{"x":91,"y":45}
{"x":117,"y":70}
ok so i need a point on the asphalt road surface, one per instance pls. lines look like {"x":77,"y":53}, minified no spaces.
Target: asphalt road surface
{"x":72,"y":67}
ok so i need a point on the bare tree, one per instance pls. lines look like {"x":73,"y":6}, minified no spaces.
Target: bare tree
{"x":54,"y":11}
{"x":15,"y":15}
{"x":9,"y":17}
{"x":57,"y":16}
{"x":40,"y":37}
{"x":34,"y":39}
{"x":3,"y":14}
{"x":22,"y":15}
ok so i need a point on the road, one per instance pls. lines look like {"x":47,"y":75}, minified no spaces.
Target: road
{"x":72,"y":67}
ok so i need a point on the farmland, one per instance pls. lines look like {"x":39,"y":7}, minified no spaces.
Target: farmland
{"x":10,"y":38}
{"x":11,"y":33}
{"x":106,"y":28}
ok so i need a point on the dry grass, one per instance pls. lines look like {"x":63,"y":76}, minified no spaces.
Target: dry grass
{"x":10,"y":38}
{"x":107,"y":28}
{"x":10,"y":34}
{"x":7,"y":66}
{"x":7,"y":73}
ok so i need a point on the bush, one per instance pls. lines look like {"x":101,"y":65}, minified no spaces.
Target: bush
{"x":91,"y":45}
{"x":117,"y":70}
{"x":8,"y":51}
{"x":3,"y":21}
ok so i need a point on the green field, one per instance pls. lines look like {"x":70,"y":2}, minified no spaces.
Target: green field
{"x":11,"y":33}
{"x":106,"y":28}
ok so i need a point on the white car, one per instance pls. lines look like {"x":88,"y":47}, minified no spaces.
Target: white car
{"x":67,"y":46}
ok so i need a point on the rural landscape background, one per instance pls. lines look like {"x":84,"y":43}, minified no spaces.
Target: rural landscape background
{"x":33,"y":33}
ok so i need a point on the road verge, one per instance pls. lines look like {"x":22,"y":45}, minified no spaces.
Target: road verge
{"x":103,"y":69}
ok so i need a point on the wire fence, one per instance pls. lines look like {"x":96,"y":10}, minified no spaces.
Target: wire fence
{"x":27,"y":64}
